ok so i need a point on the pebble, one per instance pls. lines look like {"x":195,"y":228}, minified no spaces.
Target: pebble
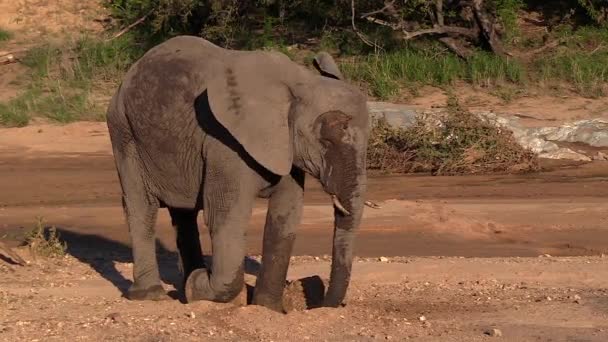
{"x":192,"y":315}
{"x":383,"y":259}
{"x":493,"y":332}
{"x":422,"y":318}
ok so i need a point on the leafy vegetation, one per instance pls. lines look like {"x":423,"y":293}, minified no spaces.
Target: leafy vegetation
{"x":70,"y":82}
{"x":385,"y":74}
{"x":5,"y":35}
{"x":457,"y":142}
{"x":45,"y":242}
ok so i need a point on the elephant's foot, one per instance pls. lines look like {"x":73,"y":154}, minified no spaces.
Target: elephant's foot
{"x":273,"y":304}
{"x":198,"y":287}
{"x":155,"y":292}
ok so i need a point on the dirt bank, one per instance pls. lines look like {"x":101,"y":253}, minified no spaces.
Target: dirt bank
{"x":67,"y":176}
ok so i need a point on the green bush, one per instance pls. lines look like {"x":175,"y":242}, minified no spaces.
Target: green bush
{"x":5,"y":35}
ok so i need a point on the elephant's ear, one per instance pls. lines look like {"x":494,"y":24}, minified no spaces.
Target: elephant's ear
{"x":326,"y":66}
{"x":249,"y":97}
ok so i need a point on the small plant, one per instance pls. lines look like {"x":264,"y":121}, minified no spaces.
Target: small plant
{"x":5,"y":35}
{"x":385,"y":74}
{"x":66,"y":81}
{"x":45,"y":242}
{"x":459,"y":142}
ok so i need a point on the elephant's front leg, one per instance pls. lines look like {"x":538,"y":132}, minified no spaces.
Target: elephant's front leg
{"x":228,"y":205}
{"x":284,"y":213}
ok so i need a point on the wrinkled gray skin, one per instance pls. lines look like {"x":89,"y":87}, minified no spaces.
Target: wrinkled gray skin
{"x":197,"y":127}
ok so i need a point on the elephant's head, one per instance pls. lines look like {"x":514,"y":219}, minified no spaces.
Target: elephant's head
{"x":284,"y":116}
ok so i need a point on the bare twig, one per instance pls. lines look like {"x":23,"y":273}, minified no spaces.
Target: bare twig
{"x":359,"y":34}
{"x":598,"y":48}
{"x":387,"y":5}
{"x":434,"y":30}
{"x":372,"y":205}
{"x":132,"y":25}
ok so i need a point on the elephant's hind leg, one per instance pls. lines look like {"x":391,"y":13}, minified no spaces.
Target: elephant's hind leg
{"x":188,"y":241}
{"x":140,"y":210}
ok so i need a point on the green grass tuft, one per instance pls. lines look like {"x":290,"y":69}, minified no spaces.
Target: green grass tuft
{"x":5,"y":35}
{"x":386,"y":74}
{"x":65,"y":81}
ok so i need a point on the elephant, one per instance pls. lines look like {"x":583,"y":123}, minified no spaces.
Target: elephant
{"x":197,"y":127}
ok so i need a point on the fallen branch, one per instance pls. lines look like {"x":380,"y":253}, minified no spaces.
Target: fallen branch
{"x":7,"y":59}
{"x":550,"y":45}
{"x":452,"y":44}
{"x":478,"y":27}
{"x":361,"y":36}
{"x":10,"y":255}
{"x":434,"y":30}
{"x":132,"y":25}
{"x":387,"y":5}
{"x":372,"y":205}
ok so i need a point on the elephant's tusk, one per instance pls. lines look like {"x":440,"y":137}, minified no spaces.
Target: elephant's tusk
{"x":372,"y":205}
{"x":339,"y":205}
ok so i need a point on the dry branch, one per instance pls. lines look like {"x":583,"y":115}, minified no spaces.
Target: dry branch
{"x":455,"y":37}
{"x":9,"y":254}
{"x":361,"y":36}
{"x":132,"y":25}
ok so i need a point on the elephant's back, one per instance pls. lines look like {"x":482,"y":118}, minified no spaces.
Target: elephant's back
{"x":157,"y":99}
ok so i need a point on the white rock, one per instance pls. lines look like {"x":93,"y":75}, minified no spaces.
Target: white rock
{"x":383,"y":259}
{"x":493,"y":332}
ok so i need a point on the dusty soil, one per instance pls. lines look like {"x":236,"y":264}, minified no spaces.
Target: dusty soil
{"x":425,"y":228}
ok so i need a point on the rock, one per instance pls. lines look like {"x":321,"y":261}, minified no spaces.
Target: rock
{"x":601,"y":156}
{"x":564,"y":153}
{"x":383,"y":259}
{"x":113,"y":317}
{"x":422,"y":318}
{"x":192,"y":315}
{"x":493,"y":332}
{"x":592,"y":132}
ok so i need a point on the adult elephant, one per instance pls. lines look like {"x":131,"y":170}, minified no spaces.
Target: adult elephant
{"x":198,"y":127}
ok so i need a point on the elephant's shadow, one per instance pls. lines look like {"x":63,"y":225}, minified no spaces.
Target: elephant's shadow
{"x":102,"y":254}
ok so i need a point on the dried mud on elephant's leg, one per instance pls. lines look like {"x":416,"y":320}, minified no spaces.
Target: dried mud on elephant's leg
{"x":303,"y":294}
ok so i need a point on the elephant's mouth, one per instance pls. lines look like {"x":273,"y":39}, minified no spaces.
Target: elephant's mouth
{"x":338,"y":205}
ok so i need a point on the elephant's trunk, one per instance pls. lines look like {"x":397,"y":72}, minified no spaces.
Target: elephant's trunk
{"x":347,"y":219}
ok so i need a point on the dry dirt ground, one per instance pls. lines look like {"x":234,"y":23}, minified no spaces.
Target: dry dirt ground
{"x":464,"y":253}
{"x":460,"y":255}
